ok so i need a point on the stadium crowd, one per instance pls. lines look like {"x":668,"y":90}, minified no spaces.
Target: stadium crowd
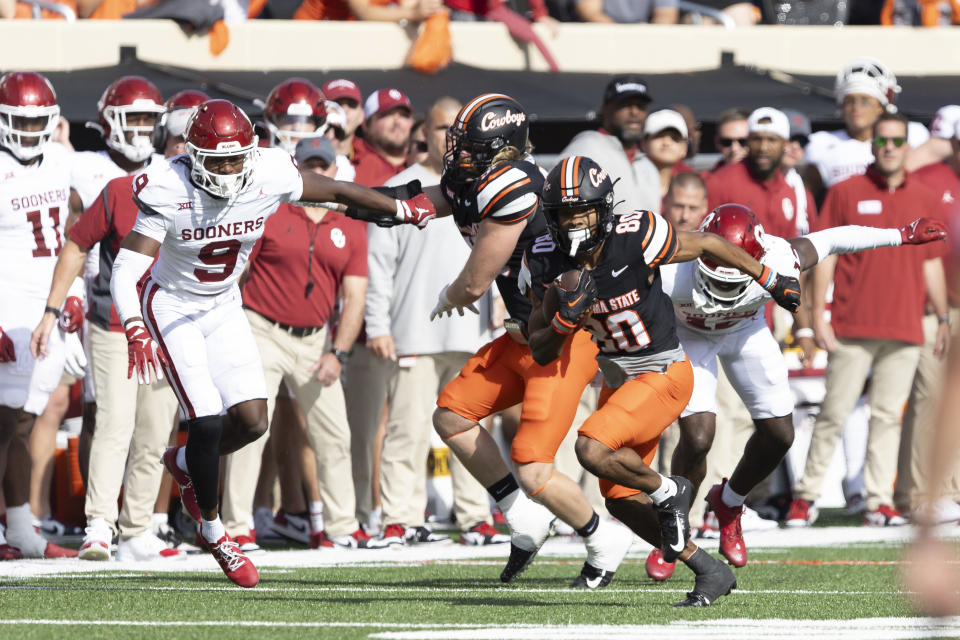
{"x":354,"y":352}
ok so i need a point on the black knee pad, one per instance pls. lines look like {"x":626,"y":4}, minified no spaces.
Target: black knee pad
{"x":203,"y":458}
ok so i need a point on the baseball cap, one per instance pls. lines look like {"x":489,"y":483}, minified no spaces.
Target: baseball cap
{"x":778,"y":124}
{"x":320,"y":147}
{"x":342,"y":88}
{"x":625,"y":86}
{"x":384,"y":100}
{"x":177,"y":121}
{"x":799,"y":124}
{"x":665,"y":119}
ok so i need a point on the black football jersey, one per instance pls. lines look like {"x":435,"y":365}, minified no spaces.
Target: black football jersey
{"x":632,"y":315}
{"x":508,"y":192}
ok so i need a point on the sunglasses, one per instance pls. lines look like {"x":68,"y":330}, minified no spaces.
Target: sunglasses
{"x":881,"y":141}
{"x":418,"y":146}
{"x":726,"y":142}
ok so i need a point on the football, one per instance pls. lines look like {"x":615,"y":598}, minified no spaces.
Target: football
{"x":568,"y":281}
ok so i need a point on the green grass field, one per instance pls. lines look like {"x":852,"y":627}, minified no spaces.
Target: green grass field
{"x":458,"y":599}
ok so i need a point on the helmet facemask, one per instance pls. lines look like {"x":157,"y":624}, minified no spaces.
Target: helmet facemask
{"x":724,"y":286}
{"x":580,"y":240}
{"x":140,"y":146}
{"x":221,"y":185}
{"x":27,"y":143}
{"x":290,"y":128}
{"x":466,"y":160}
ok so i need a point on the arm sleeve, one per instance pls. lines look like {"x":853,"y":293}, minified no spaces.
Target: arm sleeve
{"x":660,"y":242}
{"x":851,"y":239}
{"x":93,"y":224}
{"x":382,"y":261}
{"x":128,"y":268}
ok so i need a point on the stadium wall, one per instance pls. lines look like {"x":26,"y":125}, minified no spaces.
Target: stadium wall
{"x":266,"y":45}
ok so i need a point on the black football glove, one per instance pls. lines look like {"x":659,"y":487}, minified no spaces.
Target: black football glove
{"x":573,"y":306}
{"x":785,"y":290}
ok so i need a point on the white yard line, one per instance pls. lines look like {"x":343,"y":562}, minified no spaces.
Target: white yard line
{"x":732,"y":629}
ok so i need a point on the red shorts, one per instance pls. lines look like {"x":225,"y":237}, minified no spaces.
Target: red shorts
{"x":637,"y":413}
{"x":503,"y":373}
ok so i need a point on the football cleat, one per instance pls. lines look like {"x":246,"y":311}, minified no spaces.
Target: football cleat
{"x":884,"y":516}
{"x":52,"y":529}
{"x":592,"y":578}
{"x":657,"y":568}
{"x":710,"y":528}
{"x":732,"y":546}
{"x":424,"y":535}
{"x":606,"y":548}
{"x":393,"y":535}
{"x":9,"y":553}
{"x":802,"y":513}
{"x":674,"y":516}
{"x":356,"y":540}
{"x":529,"y":524}
{"x":235,"y":564}
{"x":147,"y":546}
{"x":482,"y":533}
{"x":188,"y":498}
{"x":248,"y":544}
{"x":710,"y":585}
{"x":56,"y":551}
{"x":293,"y":526}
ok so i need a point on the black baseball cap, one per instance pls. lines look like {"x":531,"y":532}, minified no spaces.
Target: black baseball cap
{"x":626,"y":86}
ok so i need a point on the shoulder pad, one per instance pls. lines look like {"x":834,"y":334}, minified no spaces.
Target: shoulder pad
{"x":509,"y":192}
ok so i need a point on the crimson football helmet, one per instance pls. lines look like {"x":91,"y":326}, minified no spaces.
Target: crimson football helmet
{"x":186,"y":101}
{"x":220,"y":129}
{"x":295,"y":110}
{"x":736,"y":224}
{"x":126,"y":96}
{"x":28,"y":113}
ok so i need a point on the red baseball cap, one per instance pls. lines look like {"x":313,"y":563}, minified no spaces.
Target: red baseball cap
{"x":384,"y":100}
{"x":342,"y":88}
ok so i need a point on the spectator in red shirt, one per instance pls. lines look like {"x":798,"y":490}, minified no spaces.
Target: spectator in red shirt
{"x":756,"y":181}
{"x":347,"y":94}
{"x":304,"y":261}
{"x":914,"y":488}
{"x":875,"y":323}
{"x":382,"y":154}
{"x":731,"y":137}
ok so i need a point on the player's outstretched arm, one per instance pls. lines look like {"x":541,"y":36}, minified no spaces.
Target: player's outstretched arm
{"x":814,"y":247}
{"x":384,"y":206}
{"x":785,"y":290}
{"x":69,"y":267}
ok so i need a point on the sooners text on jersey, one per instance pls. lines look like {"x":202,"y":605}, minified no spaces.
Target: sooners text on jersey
{"x":205,"y":241}
{"x":696,"y":312}
{"x":632,"y":314}
{"x":34,"y":205}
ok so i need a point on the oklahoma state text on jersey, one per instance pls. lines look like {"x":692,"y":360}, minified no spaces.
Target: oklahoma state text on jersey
{"x":632,"y":315}
{"x":508,"y":192}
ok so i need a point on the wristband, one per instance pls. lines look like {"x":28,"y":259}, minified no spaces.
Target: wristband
{"x":767,"y":277}
{"x":341,"y":355}
{"x":944,"y":318}
{"x":805,"y":332}
{"x":55,"y":312}
{"x":561,"y":326}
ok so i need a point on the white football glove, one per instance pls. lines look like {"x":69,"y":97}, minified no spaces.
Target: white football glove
{"x":444,"y":306}
{"x":76,"y":361}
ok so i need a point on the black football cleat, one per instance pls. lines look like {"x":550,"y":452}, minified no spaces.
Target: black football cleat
{"x":718,"y":581}
{"x":674,"y":516}
{"x":518,"y":561}
{"x":592,"y":578}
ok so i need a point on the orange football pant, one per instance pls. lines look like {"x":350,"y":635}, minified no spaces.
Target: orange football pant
{"x":637,"y":413}
{"x":503,"y":373}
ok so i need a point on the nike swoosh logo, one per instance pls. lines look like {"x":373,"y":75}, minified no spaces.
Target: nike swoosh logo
{"x":593,"y":583}
{"x":679,"y":546}
{"x":570,"y":304}
{"x":617,"y":272}
{"x":419,"y":210}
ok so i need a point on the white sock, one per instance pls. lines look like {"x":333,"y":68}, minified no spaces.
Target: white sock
{"x":182,"y":459}
{"x":160,"y":518}
{"x":19,"y":518}
{"x":316,"y":516}
{"x":212,"y":530}
{"x":666,"y":490}
{"x":731,"y":498}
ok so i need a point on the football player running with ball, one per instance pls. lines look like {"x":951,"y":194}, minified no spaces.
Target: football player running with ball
{"x":200,"y":214}
{"x":720,"y":313}
{"x":491,"y":186}
{"x":648,"y":378}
